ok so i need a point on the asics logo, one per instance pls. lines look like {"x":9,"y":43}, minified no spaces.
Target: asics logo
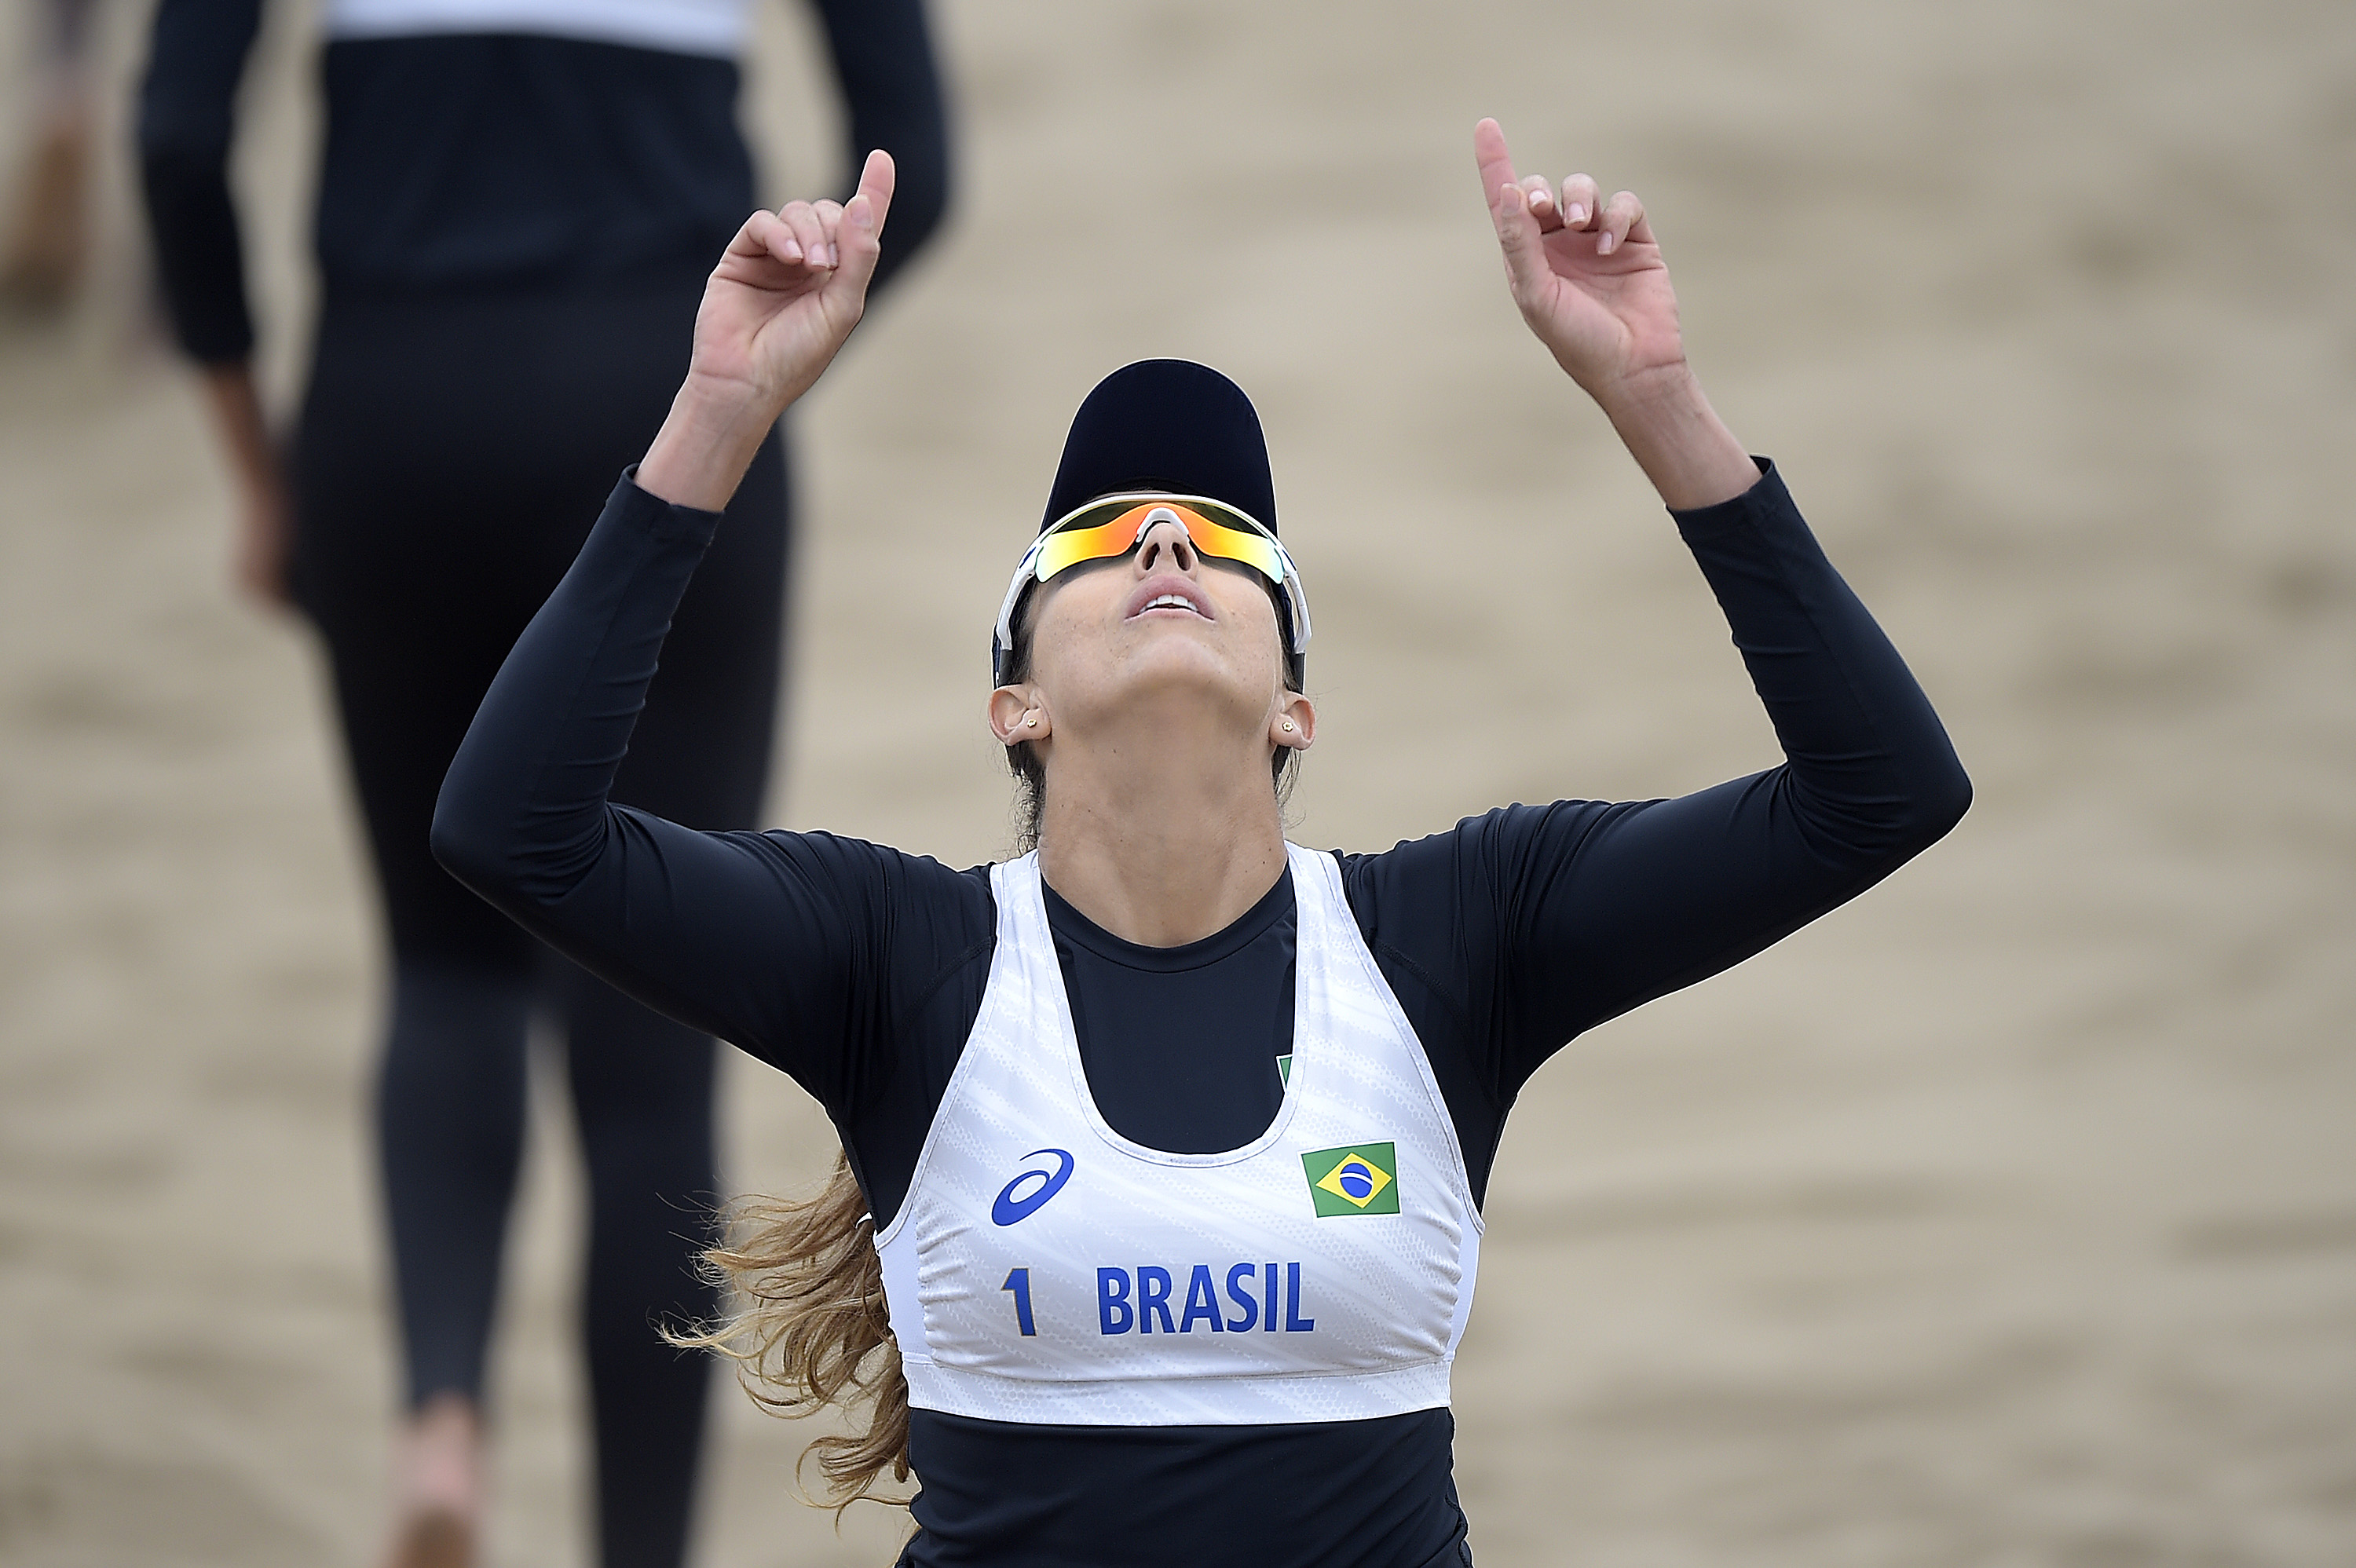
{"x":1011,"y":1209}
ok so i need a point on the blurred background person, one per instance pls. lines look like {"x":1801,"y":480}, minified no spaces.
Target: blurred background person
{"x":48,"y":235}
{"x":518,"y":202}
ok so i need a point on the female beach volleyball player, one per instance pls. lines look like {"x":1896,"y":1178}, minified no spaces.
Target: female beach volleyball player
{"x":1172,"y":1136}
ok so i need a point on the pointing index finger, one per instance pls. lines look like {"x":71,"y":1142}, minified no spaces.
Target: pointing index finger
{"x":877,"y":178}
{"x":1497,"y":163}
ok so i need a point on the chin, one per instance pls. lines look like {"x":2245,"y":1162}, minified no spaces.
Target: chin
{"x":1180,"y":682}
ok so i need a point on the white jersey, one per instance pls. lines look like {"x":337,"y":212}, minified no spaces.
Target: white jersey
{"x":679,"y":26}
{"x":1044,"y":1269}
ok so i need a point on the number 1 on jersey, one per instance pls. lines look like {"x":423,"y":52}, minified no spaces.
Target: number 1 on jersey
{"x":1018,"y":1280}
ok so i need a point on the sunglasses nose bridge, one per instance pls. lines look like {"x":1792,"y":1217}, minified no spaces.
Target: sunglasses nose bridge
{"x":1164,"y":529}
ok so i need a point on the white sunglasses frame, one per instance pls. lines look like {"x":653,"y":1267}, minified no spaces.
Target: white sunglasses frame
{"x":1295,"y":597}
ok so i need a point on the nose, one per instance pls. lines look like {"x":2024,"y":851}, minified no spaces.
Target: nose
{"x":1163,"y":546}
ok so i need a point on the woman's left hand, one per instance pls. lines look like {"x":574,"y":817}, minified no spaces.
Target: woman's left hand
{"x":1586,"y":272}
{"x":1590,"y":283}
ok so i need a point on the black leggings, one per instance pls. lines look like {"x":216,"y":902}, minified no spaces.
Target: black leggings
{"x":452,"y":455}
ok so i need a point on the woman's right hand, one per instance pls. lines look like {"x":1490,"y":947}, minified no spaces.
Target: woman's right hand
{"x":780,"y":304}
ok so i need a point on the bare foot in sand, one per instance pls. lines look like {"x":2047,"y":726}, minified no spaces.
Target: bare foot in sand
{"x":438,"y":1486}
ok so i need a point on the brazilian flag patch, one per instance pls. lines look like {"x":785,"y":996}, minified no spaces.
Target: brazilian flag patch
{"x":1357,"y":1178}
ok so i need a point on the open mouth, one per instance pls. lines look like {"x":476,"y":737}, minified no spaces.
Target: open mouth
{"x":1172,"y":595}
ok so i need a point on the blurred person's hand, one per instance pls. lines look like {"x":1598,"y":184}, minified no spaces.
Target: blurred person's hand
{"x":265,"y":518}
{"x":1589,"y":281}
{"x":780,"y":304}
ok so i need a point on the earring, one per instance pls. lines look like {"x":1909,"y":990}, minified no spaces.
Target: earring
{"x":1031,"y":721}
{"x":1288,"y":726}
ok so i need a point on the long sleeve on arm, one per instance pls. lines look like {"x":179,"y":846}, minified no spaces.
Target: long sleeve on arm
{"x":187,"y":112}
{"x":1558,"y":917}
{"x":779,"y":942}
{"x":891,"y":94}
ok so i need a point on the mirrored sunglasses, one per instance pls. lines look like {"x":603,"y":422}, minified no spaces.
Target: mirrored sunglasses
{"x":1109,"y":526}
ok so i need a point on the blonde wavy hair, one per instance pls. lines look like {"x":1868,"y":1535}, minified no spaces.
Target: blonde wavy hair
{"x":807,"y":1328}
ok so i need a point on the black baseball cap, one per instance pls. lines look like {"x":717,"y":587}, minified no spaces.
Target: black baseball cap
{"x":1170,"y":425}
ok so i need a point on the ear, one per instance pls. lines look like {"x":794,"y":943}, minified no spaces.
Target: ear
{"x":1018,"y":713}
{"x":1301,"y":715}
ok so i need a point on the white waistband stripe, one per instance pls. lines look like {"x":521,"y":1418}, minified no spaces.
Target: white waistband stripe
{"x":713,"y":27}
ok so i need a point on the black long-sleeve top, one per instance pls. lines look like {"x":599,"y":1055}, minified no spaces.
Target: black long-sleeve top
{"x":472,"y":162}
{"x":858,"y":970}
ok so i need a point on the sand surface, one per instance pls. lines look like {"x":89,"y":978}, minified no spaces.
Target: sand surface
{"x":1994,"y":1219}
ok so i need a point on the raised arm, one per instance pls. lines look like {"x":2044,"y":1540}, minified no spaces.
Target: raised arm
{"x":1589,"y":279}
{"x":1602,"y":906}
{"x":754,"y":937}
{"x":777,"y":309}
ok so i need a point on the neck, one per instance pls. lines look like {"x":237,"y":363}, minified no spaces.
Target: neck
{"x":1161,"y":839}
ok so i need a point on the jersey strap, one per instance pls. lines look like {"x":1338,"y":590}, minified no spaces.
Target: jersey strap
{"x":1044,"y":1268}
{"x":713,"y":27}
